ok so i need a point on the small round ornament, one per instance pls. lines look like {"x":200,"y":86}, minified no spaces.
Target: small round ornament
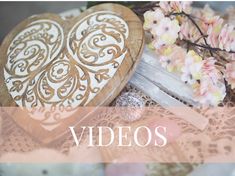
{"x":130,"y":106}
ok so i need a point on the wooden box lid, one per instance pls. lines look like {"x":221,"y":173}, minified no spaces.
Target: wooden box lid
{"x":49,"y":64}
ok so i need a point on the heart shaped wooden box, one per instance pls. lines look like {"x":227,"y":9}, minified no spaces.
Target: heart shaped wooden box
{"x":51,"y":67}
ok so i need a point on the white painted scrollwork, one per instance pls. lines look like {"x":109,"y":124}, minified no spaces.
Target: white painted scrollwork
{"x":53,"y":81}
{"x":97,"y":44}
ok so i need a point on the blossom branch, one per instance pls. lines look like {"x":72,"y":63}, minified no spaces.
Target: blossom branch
{"x":206,"y":47}
{"x":141,"y":10}
{"x":196,"y":25}
{"x":150,"y":6}
{"x":173,"y":39}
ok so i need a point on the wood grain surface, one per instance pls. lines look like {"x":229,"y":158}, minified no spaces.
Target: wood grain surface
{"x":65,"y":51}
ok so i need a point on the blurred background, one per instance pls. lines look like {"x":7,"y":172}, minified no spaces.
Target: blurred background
{"x":11,"y":13}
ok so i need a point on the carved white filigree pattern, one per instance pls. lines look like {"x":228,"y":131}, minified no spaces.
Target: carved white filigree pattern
{"x":97,"y":44}
{"x":53,"y":81}
{"x":29,"y":52}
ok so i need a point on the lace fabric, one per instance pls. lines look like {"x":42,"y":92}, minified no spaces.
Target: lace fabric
{"x":221,"y":127}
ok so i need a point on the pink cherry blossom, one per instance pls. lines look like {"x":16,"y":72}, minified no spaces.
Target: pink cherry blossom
{"x":205,"y":16}
{"x":213,"y":31}
{"x":211,"y":89}
{"x":152,"y":18}
{"x":175,"y":6}
{"x":166,"y":32}
{"x":214,"y":22}
{"x":189,"y":31}
{"x":226,"y":38}
{"x":209,"y":69}
{"x":202,"y":74}
{"x":209,"y":93}
{"x":191,"y":71}
{"x":172,"y":58}
{"x":165,"y":6}
{"x":179,"y":6}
